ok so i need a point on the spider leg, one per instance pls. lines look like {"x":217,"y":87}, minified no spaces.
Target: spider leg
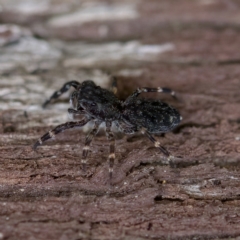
{"x":126,"y":128}
{"x":58,"y":129}
{"x":145,"y":89}
{"x":111,"y":156}
{"x":74,"y":114}
{"x":73,"y":99}
{"x":64,"y":88}
{"x":155,"y":142}
{"x":88,"y":141}
{"x":114,"y":88}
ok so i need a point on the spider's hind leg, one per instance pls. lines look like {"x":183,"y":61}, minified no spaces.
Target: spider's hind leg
{"x":111,"y":156}
{"x":159,"y":90}
{"x":156,"y":143}
{"x":136,"y":93}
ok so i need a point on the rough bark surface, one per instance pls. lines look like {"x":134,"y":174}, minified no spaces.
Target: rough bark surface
{"x":189,"y":46}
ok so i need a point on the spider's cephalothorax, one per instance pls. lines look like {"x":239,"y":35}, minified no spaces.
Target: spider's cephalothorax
{"x":100,"y":105}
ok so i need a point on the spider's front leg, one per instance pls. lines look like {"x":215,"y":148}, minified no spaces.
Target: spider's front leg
{"x":58,"y":129}
{"x":75,"y":114}
{"x":64,"y":89}
{"x":88,"y":141}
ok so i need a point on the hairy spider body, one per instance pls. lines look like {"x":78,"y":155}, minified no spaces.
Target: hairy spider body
{"x":100,"y":105}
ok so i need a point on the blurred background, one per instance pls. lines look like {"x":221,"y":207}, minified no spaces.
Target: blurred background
{"x":45,"y":43}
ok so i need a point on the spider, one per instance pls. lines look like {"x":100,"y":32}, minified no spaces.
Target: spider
{"x":100,"y":105}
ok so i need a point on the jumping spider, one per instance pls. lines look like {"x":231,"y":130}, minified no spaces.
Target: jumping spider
{"x":100,"y":105}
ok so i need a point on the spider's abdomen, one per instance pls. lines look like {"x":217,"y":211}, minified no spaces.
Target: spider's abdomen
{"x":153,"y":115}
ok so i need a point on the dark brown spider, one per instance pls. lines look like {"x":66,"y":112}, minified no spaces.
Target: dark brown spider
{"x":101,"y":105}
